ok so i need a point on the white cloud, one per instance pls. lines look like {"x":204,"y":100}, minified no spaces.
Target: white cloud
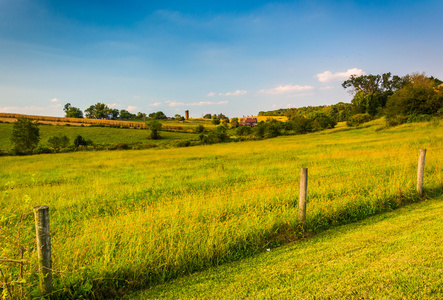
{"x":114,"y":105}
{"x":155,"y":104}
{"x":328,"y":76}
{"x":132,"y":109}
{"x":201,"y":103}
{"x":236,"y":93}
{"x":284,"y":89}
{"x":173,"y":103}
{"x":55,"y":100}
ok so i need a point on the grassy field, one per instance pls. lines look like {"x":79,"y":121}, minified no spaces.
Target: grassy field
{"x":396,"y":255}
{"x":130,"y":219}
{"x":99,"y":135}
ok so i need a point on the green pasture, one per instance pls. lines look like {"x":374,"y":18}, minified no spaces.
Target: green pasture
{"x":396,"y":255}
{"x":99,"y":135}
{"x":127,"y":220}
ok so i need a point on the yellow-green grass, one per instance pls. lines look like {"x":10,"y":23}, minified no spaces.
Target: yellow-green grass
{"x":278,"y":118}
{"x":396,"y":255}
{"x":99,"y":135}
{"x":125,"y":220}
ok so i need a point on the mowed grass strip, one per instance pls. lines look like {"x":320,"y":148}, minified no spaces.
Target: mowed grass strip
{"x":396,"y":255}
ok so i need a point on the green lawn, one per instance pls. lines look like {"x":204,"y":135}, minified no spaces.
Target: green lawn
{"x":396,"y":255}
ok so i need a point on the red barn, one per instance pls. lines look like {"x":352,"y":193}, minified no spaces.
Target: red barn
{"x":248,"y":121}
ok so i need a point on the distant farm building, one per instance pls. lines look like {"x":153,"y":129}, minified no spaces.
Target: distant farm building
{"x":248,"y":121}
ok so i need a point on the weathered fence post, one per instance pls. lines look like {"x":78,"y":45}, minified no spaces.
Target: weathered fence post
{"x":41,"y":214}
{"x":303,"y":194}
{"x":421,"y":171}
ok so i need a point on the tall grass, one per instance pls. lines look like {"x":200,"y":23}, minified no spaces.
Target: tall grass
{"x":124,"y":220}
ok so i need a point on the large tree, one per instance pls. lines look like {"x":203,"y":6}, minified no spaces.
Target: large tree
{"x":98,"y":111}
{"x":371,"y":92}
{"x":154,"y":126}
{"x":72,"y":112}
{"x":25,"y":135}
{"x":420,"y":95}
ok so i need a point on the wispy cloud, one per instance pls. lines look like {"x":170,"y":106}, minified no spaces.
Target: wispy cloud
{"x":328,"y":76}
{"x":236,"y":93}
{"x":201,"y":103}
{"x":155,"y":104}
{"x":285,"y":89}
{"x":55,"y":100}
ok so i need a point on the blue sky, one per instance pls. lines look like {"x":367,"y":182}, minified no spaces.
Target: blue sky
{"x":231,"y":57}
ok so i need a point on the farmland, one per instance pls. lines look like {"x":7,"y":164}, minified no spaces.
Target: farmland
{"x":99,"y":135}
{"x":130,"y":219}
{"x":395,"y":255}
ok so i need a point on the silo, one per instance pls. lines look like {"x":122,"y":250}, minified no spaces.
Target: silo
{"x":187,"y":114}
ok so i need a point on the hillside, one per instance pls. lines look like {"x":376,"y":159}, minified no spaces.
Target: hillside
{"x":126,"y":220}
{"x":395,"y":255}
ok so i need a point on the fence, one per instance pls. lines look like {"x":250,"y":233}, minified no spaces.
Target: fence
{"x":43,"y":235}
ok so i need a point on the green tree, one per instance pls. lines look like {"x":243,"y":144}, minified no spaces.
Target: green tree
{"x":58,"y":142}
{"x":215,"y":121}
{"x":301,"y":125}
{"x":80,"y":141}
{"x":126,"y":115}
{"x":115,"y":112}
{"x":199,"y":129}
{"x":321,"y":121}
{"x":420,"y":95}
{"x":72,"y":112}
{"x":371,"y":92}
{"x":98,"y":111}
{"x":154,"y":126}
{"x":207,"y":116}
{"x":243,"y":130}
{"x":25,"y":135}
{"x":234,"y":123}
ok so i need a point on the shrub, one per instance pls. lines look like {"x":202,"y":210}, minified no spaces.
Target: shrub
{"x":215,"y":121}
{"x":122,"y":146}
{"x":80,"y":141}
{"x":358,"y":119}
{"x":183,"y":144}
{"x":395,"y":121}
{"x":58,"y":142}
{"x":243,"y":130}
{"x":199,"y":129}
{"x":41,"y":150}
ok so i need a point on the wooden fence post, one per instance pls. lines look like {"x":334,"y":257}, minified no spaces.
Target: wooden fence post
{"x":41,"y":214}
{"x":303,"y":194}
{"x":421,"y":171}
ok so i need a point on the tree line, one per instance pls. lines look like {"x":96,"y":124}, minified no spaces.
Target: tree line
{"x":102,"y":111}
{"x":401,"y":99}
